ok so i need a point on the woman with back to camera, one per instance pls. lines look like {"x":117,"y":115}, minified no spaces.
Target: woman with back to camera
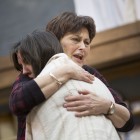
{"x":29,"y":56}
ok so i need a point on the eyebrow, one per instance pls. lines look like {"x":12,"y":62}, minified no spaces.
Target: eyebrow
{"x":78,"y":35}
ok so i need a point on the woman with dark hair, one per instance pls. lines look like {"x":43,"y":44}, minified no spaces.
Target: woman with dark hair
{"x":75,"y":34}
{"x":29,"y":56}
{"x":35,"y":50}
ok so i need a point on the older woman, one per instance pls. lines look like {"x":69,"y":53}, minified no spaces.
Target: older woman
{"x":75,"y":34}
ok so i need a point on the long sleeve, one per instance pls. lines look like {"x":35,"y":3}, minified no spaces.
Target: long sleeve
{"x":25,"y":95}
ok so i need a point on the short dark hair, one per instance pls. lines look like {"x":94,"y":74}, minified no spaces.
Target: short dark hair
{"x":36,"y":49}
{"x":69,"y":22}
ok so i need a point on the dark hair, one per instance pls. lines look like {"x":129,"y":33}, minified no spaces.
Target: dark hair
{"x":36,"y":49}
{"x":69,"y":22}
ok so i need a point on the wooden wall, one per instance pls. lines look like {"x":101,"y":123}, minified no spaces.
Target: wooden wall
{"x":115,"y":46}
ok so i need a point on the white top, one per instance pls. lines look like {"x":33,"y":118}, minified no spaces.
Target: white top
{"x":51,"y":121}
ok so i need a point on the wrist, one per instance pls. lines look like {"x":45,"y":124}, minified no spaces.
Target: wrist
{"x":56,"y":79}
{"x":61,"y":74}
{"x":111,"y":109}
{"x":68,"y":72}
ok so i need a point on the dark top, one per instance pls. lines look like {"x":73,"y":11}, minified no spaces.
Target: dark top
{"x":26,"y":94}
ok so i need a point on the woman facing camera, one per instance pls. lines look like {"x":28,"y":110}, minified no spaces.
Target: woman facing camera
{"x":75,"y":34}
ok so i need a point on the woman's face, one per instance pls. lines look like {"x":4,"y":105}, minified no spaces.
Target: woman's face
{"x":76,"y":45}
{"x":27,"y":68}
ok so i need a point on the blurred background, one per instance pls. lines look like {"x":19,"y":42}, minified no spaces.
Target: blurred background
{"x":115,"y":51}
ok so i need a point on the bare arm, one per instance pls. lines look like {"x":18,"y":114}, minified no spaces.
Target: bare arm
{"x":91,"y":104}
{"x":120,"y":116}
{"x":67,"y":71}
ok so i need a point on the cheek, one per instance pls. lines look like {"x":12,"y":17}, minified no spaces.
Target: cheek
{"x":69,"y":51}
{"x":69,"y":48}
{"x":66,"y":49}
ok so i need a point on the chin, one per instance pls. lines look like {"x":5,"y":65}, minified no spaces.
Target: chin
{"x":80,"y":64}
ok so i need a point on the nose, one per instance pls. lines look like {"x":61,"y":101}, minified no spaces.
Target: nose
{"x":82,"y":46}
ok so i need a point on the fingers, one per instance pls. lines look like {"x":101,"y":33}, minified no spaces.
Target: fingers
{"x":84,"y":104}
{"x":83,"y":113}
{"x":74,"y":98}
{"x":84,"y":92}
{"x":90,"y":76}
{"x":83,"y":75}
{"x":77,"y":109}
{"x":74,"y":104}
{"x":80,"y":110}
{"x":87,"y":77}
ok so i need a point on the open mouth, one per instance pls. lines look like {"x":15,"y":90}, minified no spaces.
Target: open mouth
{"x":79,"y":56}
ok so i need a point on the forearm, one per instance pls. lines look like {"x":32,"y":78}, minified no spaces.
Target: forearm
{"x":120,"y":116}
{"x":24,"y":96}
{"x":49,"y":85}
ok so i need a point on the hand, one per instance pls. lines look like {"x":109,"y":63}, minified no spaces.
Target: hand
{"x":86,"y":104}
{"x":78,"y":73}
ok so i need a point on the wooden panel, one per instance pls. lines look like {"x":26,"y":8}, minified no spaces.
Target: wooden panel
{"x":7,"y":72}
{"x":5,"y":62}
{"x":7,"y":77}
{"x":116,"y":34}
{"x":123,"y":70}
{"x":115,"y":46}
{"x":113,"y":53}
{"x":7,"y":127}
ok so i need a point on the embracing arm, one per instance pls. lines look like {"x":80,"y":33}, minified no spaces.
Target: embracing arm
{"x":27,"y":93}
{"x":87,"y":104}
{"x":49,"y":85}
{"x":91,"y":104}
{"x":122,"y":118}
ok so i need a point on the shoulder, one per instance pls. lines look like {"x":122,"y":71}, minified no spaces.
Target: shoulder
{"x":92,"y":70}
{"x":21,"y":78}
{"x":89,"y":69}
